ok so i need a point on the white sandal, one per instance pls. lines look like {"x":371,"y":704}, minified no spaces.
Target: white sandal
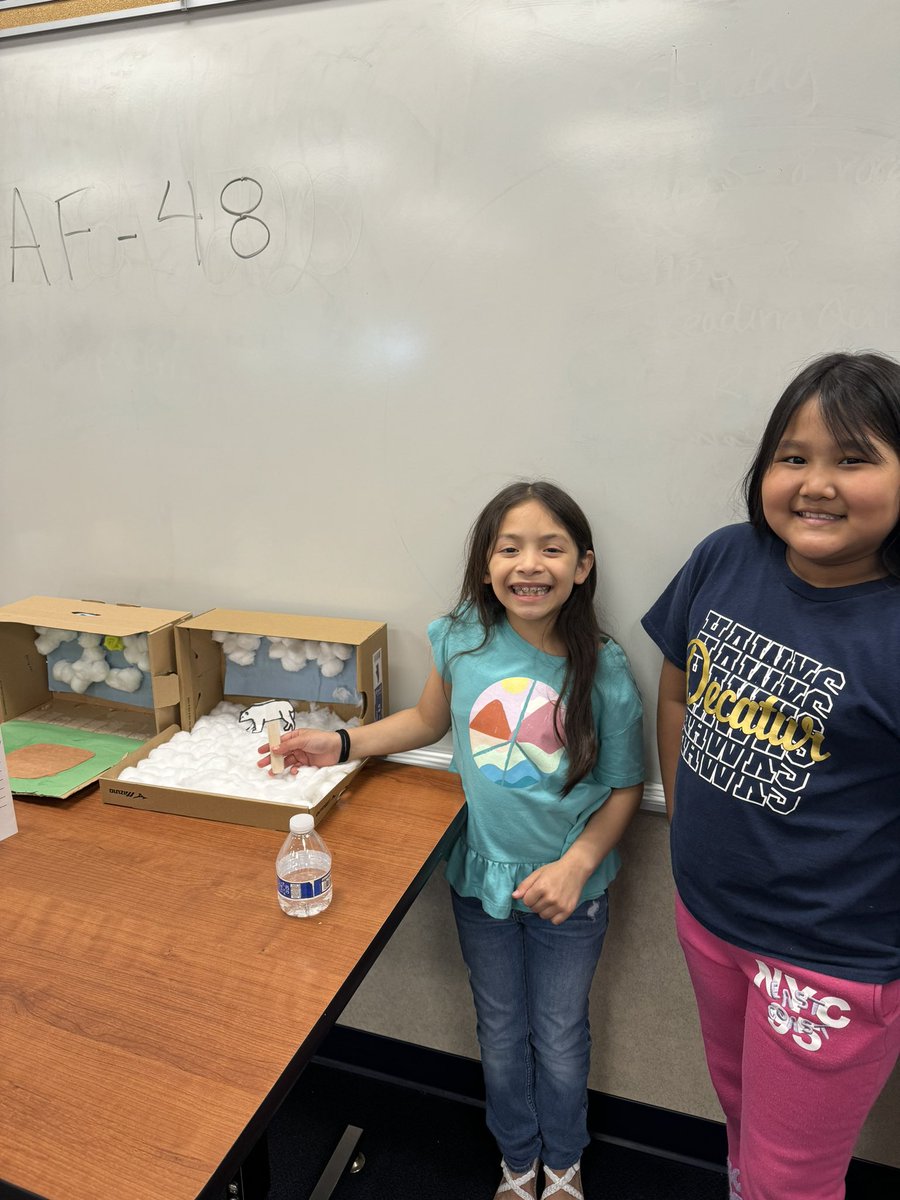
{"x":562,"y":1182}
{"x":513,"y":1183}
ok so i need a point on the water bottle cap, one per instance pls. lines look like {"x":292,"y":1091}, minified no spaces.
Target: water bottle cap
{"x":302,"y":823}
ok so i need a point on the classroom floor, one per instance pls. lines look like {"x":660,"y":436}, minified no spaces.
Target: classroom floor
{"x":419,"y":1146}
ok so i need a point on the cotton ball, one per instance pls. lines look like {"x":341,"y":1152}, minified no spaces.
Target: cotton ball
{"x":124,"y":679}
{"x":92,"y":667}
{"x":217,"y":783}
{"x":79,"y":684}
{"x":62,"y":671}
{"x":240,"y":648}
{"x":331,"y":667}
{"x":80,"y":674}
{"x":93,"y":670}
{"x":294,"y":654}
{"x":137,"y":651}
{"x":288,"y":648}
{"x":49,"y":639}
{"x":344,"y":653}
{"x":218,"y":636}
{"x":89,"y":640}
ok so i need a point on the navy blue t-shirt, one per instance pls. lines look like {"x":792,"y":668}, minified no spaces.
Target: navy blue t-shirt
{"x":786,"y":834}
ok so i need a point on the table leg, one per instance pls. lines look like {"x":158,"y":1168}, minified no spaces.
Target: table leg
{"x":334,"y":1168}
{"x":253,"y":1179}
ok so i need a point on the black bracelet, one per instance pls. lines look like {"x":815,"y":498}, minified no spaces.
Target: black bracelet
{"x":345,"y":745}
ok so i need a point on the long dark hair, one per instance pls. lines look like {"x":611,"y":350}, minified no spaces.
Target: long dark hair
{"x":576,"y":623}
{"x":859,"y":398}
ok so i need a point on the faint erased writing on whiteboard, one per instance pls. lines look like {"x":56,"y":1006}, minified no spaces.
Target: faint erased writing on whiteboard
{"x":285,"y":223}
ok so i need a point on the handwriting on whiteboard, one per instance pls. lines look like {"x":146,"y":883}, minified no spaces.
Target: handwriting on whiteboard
{"x":285,"y":222}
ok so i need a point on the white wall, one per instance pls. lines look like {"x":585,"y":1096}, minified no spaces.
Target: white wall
{"x":588,"y":240}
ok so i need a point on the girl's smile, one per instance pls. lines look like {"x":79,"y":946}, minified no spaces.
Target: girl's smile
{"x":532,"y":569}
{"x":832,"y":504}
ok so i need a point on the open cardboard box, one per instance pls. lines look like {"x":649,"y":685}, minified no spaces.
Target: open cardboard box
{"x":28,"y":693}
{"x":207,"y":677}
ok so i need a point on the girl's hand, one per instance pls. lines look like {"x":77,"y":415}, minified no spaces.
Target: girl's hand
{"x":305,"y":748}
{"x":552,"y":891}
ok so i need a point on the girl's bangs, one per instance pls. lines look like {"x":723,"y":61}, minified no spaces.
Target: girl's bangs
{"x":854,"y":422}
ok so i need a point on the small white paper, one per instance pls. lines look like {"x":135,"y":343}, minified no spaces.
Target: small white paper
{"x":8,"y":824}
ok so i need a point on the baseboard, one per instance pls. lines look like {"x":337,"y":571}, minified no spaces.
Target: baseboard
{"x":644,"y":1127}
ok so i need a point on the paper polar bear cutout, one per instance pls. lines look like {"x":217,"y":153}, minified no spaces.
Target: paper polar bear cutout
{"x":258,"y":715}
{"x":275,"y":716}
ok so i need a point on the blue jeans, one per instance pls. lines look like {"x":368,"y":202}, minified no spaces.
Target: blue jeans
{"x":531,"y":981}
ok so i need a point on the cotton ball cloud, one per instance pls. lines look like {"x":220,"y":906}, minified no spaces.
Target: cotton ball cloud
{"x":92,"y":667}
{"x":124,"y":679}
{"x":136,"y":652}
{"x":331,"y":658}
{"x":295,"y":653}
{"x":291,"y":651}
{"x":49,"y":639}
{"x":240,"y":648}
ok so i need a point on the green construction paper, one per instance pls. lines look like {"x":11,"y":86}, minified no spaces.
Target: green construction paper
{"x":107,"y":749}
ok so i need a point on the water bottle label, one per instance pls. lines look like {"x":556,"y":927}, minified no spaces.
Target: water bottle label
{"x":304,"y":891}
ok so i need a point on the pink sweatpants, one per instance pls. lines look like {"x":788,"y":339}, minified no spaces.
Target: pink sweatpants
{"x":797,"y":1060}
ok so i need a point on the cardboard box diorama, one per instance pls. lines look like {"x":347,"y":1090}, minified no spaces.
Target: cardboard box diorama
{"x":83,"y":683}
{"x":230,"y":660}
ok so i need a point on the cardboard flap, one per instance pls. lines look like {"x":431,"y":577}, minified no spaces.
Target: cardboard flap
{"x":166,"y":690}
{"x":262,"y":624}
{"x":85,"y":615}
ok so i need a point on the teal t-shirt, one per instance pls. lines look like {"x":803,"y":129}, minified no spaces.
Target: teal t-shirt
{"x":513,"y":763}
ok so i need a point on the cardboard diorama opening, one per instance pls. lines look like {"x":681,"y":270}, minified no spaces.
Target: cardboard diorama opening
{"x":355,"y":686}
{"x":233,"y":657}
{"x":60,"y":736}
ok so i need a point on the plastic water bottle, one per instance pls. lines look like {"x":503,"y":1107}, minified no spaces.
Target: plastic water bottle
{"x":303,"y":868}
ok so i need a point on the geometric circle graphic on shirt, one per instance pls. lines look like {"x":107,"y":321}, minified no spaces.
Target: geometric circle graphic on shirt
{"x":513,"y":732}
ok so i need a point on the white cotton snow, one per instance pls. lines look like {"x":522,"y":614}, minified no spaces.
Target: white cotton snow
{"x":219,"y":755}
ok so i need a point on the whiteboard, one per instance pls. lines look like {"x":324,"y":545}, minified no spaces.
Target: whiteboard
{"x":290,"y":290}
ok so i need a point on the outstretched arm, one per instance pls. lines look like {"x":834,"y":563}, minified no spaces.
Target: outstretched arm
{"x":421,"y":725}
{"x":553,"y":891}
{"x":670,"y":710}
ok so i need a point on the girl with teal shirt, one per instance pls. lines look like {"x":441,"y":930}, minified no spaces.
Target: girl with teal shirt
{"x":547,"y":740}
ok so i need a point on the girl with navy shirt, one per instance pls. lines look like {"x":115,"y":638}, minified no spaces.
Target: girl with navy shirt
{"x":546,"y":723}
{"x":779,"y":742}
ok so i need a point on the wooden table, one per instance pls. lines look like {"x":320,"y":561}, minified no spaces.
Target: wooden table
{"x":156,"y":1006}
